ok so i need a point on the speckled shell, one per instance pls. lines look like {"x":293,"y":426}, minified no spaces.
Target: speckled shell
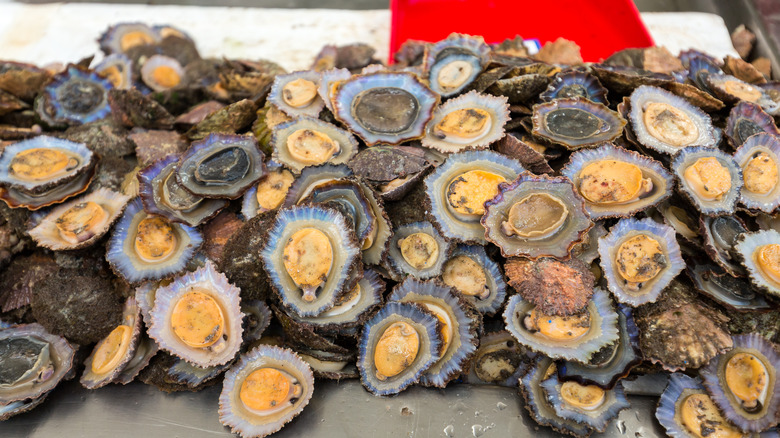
{"x":687,"y":157}
{"x":205,"y":280}
{"x":455,"y":47}
{"x":241,"y":420}
{"x":624,"y":230}
{"x":494,"y":278}
{"x":56,"y":104}
{"x":499,"y":360}
{"x":496,"y":106}
{"x":610,"y":123}
{"x":275,"y":96}
{"x":281,"y":154}
{"x":614,"y":401}
{"x":767,"y":144}
{"x":680,"y":387}
{"x":86,"y":160}
{"x":575,"y":83}
{"x":399,"y":264}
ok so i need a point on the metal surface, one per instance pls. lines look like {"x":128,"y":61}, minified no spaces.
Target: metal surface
{"x":343,"y":410}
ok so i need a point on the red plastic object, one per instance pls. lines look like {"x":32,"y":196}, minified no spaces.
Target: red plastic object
{"x":599,"y":27}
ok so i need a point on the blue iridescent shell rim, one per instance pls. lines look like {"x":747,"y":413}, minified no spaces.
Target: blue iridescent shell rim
{"x":757,"y":117}
{"x":454,"y":360}
{"x":578,"y":160}
{"x":430,"y":346}
{"x":435,"y":71}
{"x":602,"y":312}
{"x":110,"y":40}
{"x":595,"y":92}
{"x":231,"y":410}
{"x":184,"y":373}
{"x":276,"y":98}
{"x":396,"y":259}
{"x":337,"y":279}
{"x":716,"y":84}
{"x":687,"y":157}
{"x":614,"y":401}
{"x":121,"y":263}
{"x":614,"y":122}
{"x":458,"y":43}
{"x":45,"y":142}
{"x":282,"y":132}
{"x":350,"y":89}
{"x":769,"y":416}
{"x":495,"y":278}
{"x":666,"y":412}
{"x":664,"y":234}
{"x":311,"y":175}
{"x":53,"y":94}
{"x":768,"y":144}
{"x":497,"y":108}
{"x":259,"y":311}
{"x":20,"y":406}
{"x":125,"y":69}
{"x":492,"y":339}
{"x":436,"y":184}
{"x":328,"y":81}
{"x":746,"y":244}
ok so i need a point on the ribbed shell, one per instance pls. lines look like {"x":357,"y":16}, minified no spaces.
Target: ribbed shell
{"x":747,"y":119}
{"x":747,"y":244}
{"x":769,"y":145}
{"x":614,"y":401}
{"x":610,"y":123}
{"x":85,"y":157}
{"x":401,"y":266}
{"x":494,"y":278}
{"x":348,"y":146}
{"x":496,"y":106}
{"x":687,"y":157}
{"x":56,"y":105}
{"x":275,"y":96}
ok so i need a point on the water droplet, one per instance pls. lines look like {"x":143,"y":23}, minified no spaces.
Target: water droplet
{"x":449,"y":431}
{"x":477,"y":413}
{"x":501,"y":406}
{"x":477,"y":430}
{"x":621,"y":426}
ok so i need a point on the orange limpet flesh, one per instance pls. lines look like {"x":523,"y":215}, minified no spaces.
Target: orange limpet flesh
{"x":760,"y":174}
{"x":669,"y":124}
{"x":197,"y":319}
{"x":454,"y":74}
{"x":446,"y":325}
{"x":640,"y":259}
{"x":308,"y":258}
{"x":111,"y":349}
{"x":299,"y":93}
{"x":558,"y":328}
{"x":311,"y":147}
{"x":585,"y":397}
{"x":465,"y":123}
{"x":396,"y":350}
{"x":40,"y":164}
{"x":703,"y":420}
{"x":747,"y":379}
{"x":613,"y":182}
{"x":743,"y":91}
{"x":768,"y":260}
{"x":83,"y":218}
{"x":468,"y":192}
{"x":267,"y":389}
{"x":709,"y":179}
{"x":132,"y":39}
{"x":467,"y":276}
{"x":166,"y":76}
{"x":420,"y":250}
{"x":155,"y":239}
{"x":272,"y":189}
{"x":535,"y":216}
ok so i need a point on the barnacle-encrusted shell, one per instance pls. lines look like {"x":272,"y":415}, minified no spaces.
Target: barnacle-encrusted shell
{"x":162,"y":194}
{"x":759,"y":159}
{"x":536,"y":216}
{"x":118,"y":69}
{"x":114,"y":352}
{"x":576,"y":123}
{"x":470,"y":121}
{"x":585,"y":404}
{"x":198,"y":317}
{"x":161,"y":73}
{"x":397,"y":346}
{"x":719,"y":237}
{"x":730,"y":292}
{"x":81,"y":222}
{"x":121,"y":37}
{"x":611,"y":363}
{"x":685,"y":410}
{"x":577,"y":337}
{"x":221,"y":166}
{"x":615,"y":182}
{"x":266,"y":389}
{"x":743,"y":383}
{"x":74,"y":97}
{"x":552,"y":286}
{"x":476,"y":276}
{"x":304,"y":295}
{"x":709,"y":178}
{"x":460,"y":324}
{"x":296,"y":94}
{"x":453,"y":63}
{"x":667,"y":123}
{"x":307,"y":141}
{"x":268,"y":194}
{"x":747,"y":119}
{"x":147,"y":247}
{"x":41,"y":164}
{"x":639,"y":258}
{"x":417,"y":249}
{"x":760,"y":255}
{"x":32,"y":362}
{"x":575,"y":83}
{"x":385,"y":107}
{"x":458,"y":189}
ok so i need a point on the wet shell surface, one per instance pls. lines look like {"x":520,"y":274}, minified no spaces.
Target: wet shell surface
{"x":122,"y":37}
{"x":639,"y":258}
{"x":148,"y":247}
{"x":585,"y":404}
{"x":576,"y":123}
{"x":268,"y":194}
{"x":667,"y":123}
{"x":730,"y":292}
{"x":329,"y":80}
{"x":759,"y":253}
{"x":75,"y":97}
{"x":709,"y":178}
{"x":43,"y":163}
{"x":458,"y":189}
{"x":418,"y":250}
{"x":306,"y":141}
{"x":268,"y":387}
{"x":571,"y":84}
{"x":118,"y":69}
{"x":759,"y":159}
{"x":615,"y":182}
{"x":198,"y":318}
{"x":536,"y":216}
{"x":719,"y":237}
{"x":455,"y":62}
{"x":476,"y":276}
{"x":81,"y":222}
{"x":397,"y":346}
{"x":499,"y":360}
{"x":296,"y":94}
{"x":161,"y":73}
{"x":470,"y":121}
{"x":747,"y":119}
{"x":385,"y":107}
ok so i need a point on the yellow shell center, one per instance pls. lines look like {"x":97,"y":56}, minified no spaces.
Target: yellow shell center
{"x":466,"y":275}
{"x":40,"y":164}
{"x":454,"y":75}
{"x":669,"y":124}
{"x":308,"y":258}
{"x":311,"y":147}
{"x":747,"y":379}
{"x":465,"y":123}
{"x":768,"y":260}
{"x":639,"y":259}
{"x":81,"y":221}
{"x":613,"y":182}
{"x":132,"y":39}
{"x":114,"y":75}
{"x":538,"y":215}
{"x":742,"y":90}
{"x":111,"y":349}
{"x":155,"y":239}
{"x":468,"y":192}
{"x":558,"y":328}
{"x":396,"y":350}
{"x":268,"y":389}
{"x":166,"y":76}
{"x":760,"y":174}
{"x":272,"y":189}
{"x":703,"y":420}
{"x":708,"y":178}
{"x":420,"y":250}
{"x":197,"y":319}
{"x":299,"y":93}
{"x":585,"y":397}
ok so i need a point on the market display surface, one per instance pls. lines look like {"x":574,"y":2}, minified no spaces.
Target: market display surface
{"x":470,"y":214}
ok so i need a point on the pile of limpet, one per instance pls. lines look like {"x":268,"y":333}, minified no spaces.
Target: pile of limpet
{"x":468,"y":214}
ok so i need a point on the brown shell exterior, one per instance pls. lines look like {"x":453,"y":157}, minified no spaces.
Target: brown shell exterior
{"x":532,"y":160}
{"x":555,"y":287}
